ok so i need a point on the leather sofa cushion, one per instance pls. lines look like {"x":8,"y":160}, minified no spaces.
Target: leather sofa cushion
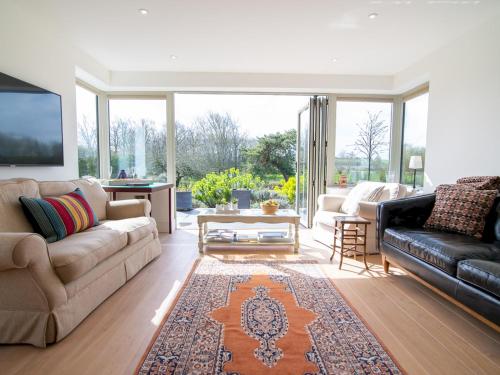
{"x":135,"y":228}
{"x":481,"y":273}
{"x":77,"y":254}
{"x":443,"y":250}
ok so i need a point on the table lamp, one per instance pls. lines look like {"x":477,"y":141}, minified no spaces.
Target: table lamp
{"x":415,"y":163}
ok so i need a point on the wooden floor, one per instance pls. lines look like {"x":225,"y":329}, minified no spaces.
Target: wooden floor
{"x":425,"y":333}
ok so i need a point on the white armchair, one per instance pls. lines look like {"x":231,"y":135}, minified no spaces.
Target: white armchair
{"x":331,"y":206}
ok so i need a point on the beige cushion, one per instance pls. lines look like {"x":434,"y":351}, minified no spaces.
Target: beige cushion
{"x":95,"y":195}
{"x":12,"y":218}
{"x":392,"y":191}
{"x":134,"y":228}
{"x":77,"y":254}
{"x":365,"y":191}
{"x":55,"y":188}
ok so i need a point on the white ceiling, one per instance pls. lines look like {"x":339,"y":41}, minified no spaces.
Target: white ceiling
{"x":280,"y":36}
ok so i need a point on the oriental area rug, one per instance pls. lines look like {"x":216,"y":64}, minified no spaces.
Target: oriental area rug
{"x":263,"y":317}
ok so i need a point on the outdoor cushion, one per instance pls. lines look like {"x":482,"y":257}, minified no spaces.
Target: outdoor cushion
{"x":443,"y":250}
{"x":75,"y":255}
{"x":481,"y":273}
{"x":135,"y":228}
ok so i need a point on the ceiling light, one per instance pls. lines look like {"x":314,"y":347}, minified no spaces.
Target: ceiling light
{"x":334,"y":60}
{"x":143,"y":11}
{"x":173,"y":57}
{"x":372,"y":16}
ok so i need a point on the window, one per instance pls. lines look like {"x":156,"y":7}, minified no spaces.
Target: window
{"x":414,"y":137}
{"x":362,"y":141}
{"x":87,"y":132}
{"x":138,"y":138}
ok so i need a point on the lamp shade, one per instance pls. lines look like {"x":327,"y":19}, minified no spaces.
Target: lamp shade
{"x":415,"y":162}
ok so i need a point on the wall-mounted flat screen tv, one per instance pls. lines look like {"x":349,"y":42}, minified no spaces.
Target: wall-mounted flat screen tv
{"x":30,"y":124}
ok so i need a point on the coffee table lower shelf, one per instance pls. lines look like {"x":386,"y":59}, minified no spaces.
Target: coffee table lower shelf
{"x":250,"y":216}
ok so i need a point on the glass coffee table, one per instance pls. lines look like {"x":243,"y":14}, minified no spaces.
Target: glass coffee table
{"x":250,"y":216}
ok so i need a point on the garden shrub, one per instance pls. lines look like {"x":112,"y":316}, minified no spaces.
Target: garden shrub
{"x":287,"y":189}
{"x":216,"y":188}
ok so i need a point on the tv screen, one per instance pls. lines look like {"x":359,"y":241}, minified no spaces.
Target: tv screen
{"x":30,"y":124}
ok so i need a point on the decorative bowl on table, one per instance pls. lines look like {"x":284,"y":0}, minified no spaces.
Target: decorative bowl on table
{"x":269,"y":207}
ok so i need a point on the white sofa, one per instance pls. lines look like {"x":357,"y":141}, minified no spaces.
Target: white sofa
{"x":362,"y":201}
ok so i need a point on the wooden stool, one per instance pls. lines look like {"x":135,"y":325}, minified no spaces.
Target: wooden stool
{"x":350,"y":238}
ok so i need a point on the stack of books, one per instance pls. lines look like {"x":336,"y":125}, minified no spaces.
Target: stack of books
{"x":273,"y":237}
{"x":220,"y":235}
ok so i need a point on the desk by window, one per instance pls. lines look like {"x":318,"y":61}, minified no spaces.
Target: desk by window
{"x":147,"y":189}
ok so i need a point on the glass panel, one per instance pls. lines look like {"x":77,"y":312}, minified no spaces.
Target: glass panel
{"x":87,"y":132}
{"x":362,"y":142}
{"x":303,"y":166}
{"x":138,"y":138}
{"x":414,"y":138}
{"x":235,"y":147}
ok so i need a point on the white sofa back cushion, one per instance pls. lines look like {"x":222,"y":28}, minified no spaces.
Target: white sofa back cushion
{"x":367,"y":191}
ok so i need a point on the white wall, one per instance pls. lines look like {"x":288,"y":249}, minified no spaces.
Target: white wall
{"x":33,"y":52}
{"x":463,"y":136}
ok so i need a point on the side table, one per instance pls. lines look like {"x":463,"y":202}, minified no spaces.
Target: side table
{"x":147,"y":189}
{"x":350,"y":238}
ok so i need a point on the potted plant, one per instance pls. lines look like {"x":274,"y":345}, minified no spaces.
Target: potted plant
{"x":269,"y":207}
{"x":184,"y":198}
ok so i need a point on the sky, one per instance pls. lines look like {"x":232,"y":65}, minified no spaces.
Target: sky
{"x":264,"y":114}
{"x":256,"y":114}
{"x":349,"y":114}
{"x":415,"y":131}
{"x":134,"y":109}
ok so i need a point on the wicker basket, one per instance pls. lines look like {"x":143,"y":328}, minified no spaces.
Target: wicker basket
{"x":268,"y":210}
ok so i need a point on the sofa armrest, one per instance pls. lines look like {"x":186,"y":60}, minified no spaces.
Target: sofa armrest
{"x":330,"y":202}
{"x":368,"y":210}
{"x":409,"y":212}
{"x":124,"y":209}
{"x":27,"y":253}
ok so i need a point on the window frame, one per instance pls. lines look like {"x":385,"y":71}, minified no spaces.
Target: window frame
{"x":392,"y":99}
{"x":144,"y":95}
{"x":412,"y":94}
{"x":83,"y":85}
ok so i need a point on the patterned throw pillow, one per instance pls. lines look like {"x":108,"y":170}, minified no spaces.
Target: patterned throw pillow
{"x":57,"y":217}
{"x":481,"y":182}
{"x":461,"y":209}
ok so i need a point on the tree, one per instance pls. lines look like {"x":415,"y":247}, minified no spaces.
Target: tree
{"x":214,"y":143}
{"x":371,"y":138}
{"x":221,"y":139}
{"x":274,"y":153}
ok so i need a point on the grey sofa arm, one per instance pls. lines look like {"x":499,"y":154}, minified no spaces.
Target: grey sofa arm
{"x":124,"y":209}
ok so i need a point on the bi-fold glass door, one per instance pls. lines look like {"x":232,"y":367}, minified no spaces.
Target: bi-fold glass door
{"x":311,"y":157}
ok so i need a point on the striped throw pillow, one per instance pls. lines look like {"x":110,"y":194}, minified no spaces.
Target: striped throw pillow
{"x":58,"y":217}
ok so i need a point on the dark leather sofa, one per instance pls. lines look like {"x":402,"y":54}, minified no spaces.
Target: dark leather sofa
{"x":464,"y":267}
